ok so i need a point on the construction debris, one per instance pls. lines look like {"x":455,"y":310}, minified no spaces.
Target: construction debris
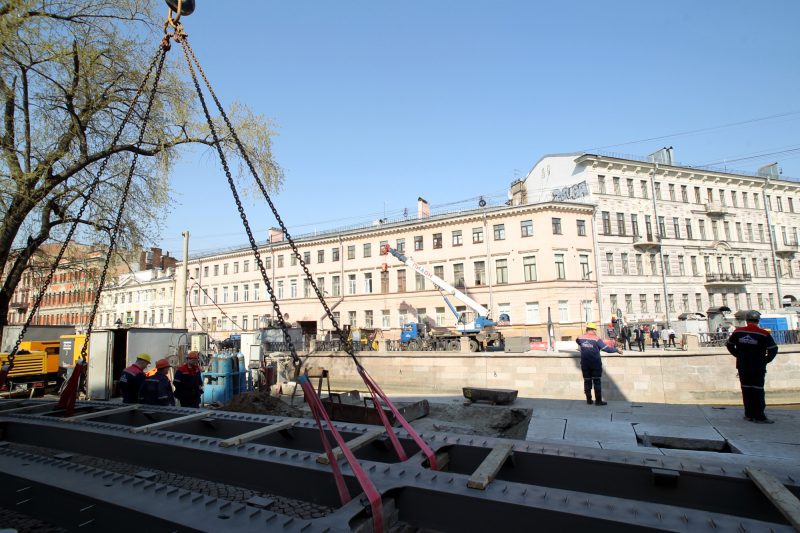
{"x":260,"y":402}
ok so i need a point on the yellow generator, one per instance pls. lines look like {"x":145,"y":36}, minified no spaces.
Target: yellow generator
{"x":35,"y":366}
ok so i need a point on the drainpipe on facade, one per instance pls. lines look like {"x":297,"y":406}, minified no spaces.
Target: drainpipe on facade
{"x":488,"y":262}
{"x":772,"y":244}
{"x":597,"y":266}
{"x":660,"y":237}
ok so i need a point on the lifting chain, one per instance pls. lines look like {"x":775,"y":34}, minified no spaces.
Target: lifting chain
{"x":262,"y":187}
{"x":86,"y":198}
{"x":115,"y":231}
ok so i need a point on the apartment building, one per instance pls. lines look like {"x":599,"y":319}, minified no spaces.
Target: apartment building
{"x":70,"y":295}
{"x":144,"y":296}
{"x":522,"y":260}
{"x":673,"y":239}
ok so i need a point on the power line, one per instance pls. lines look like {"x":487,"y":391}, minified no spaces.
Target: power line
{"x":698,"y":130}
{"x":756,"y":156}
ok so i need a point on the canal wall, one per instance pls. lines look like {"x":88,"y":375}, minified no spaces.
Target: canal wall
{"x":702,"y":376}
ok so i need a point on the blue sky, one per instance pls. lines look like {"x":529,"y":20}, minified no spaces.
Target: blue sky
{"x":377,"y":103}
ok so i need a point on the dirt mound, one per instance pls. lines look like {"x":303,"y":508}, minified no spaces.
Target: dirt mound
{"x":485,"y":420}
{"x":263,"y":404}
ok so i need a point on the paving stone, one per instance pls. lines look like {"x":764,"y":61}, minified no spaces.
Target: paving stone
{"x":601,"y":431}
{"x":546,"y":428}
{"x":765,"y":449}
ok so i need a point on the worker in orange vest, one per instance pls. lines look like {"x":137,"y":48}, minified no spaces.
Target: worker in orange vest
{"x":132,"y":378}
{"x":189,"y":381}
{"x":157,"y":389}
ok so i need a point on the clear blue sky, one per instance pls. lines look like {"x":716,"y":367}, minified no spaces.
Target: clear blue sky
{"x":377,"y":103}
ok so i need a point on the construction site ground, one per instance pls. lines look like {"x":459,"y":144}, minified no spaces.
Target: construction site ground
{"x":663,"y":429}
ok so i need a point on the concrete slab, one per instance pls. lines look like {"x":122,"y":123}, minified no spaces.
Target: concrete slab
{"x":681,"y":437}
{"x":667,"y":419}
{"x":600,"y":430}
{"x":546,"y":428}
{"x":785,"y":430}
{"x":765,"y":449}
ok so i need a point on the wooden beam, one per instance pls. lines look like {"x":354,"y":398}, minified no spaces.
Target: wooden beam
{"x":98,"y":414}
{"x":256,"y":433}
{"x":490,"y":466}
{"x":355,"y":444}
{"x":778,"y":494}
{"x":170,"y":422}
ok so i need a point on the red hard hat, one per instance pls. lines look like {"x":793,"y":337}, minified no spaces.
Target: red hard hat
{"x":163,"y":363}
{"x":193,"y":355}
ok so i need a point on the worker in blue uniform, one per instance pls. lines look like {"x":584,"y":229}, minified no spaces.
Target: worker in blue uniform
{"x":189,"y":381}
{"x":754,"y":348}
{"x":591,"y":364}
{"x":132,"y":378}
{"x":157,"y":389}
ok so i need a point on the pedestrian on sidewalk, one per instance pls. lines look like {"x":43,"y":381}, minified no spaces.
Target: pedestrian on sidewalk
{"x":654,"y":336}
{"x":591,"y":364}
{"x":640,"y":335}
{"x":671,"y":337}
{"x":754,"y":348}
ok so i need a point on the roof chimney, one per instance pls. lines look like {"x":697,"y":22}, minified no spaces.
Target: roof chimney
{"x":275,"y":235}
{"x":423,"y":209}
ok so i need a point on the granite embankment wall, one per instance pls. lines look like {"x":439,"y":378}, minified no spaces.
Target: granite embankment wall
{"x":701,"y":376}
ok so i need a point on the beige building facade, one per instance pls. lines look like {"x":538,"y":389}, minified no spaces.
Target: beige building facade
{"x":521,"y":260}
{"x":672,"y":239}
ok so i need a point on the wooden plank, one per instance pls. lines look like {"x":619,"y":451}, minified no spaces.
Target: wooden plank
{"x":98,"y":414}
{"x":256,"y":433}
{"x":778,"y":494}
{"x":170,"y":422}
{"x":355,"y":444}
{"x":490,"y":466}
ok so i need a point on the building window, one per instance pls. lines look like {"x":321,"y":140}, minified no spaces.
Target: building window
{"x":667,"y":265}
{"x":216,"y":270}
{"x":437,"y":240}
{"x":336,"y":287}
{"x":601,"y":184}
{"x":351,"y":318}
{"x":292,"y":289}
{"x":255,"y":292}
{"x":420,"y":281}
{"x":280,"y":261}
{"x":438,"y":271}
{"x":401,"y":280}
{"x":532,"y":313}
{"x":702,"y":225}
{"x":368,"y":319}
{"x":585,"y":272}
{"x":560,"y":271}
{"x":755,"y":201}
{"x":335,"y":254}
{"x":205,"y":271}
{"x":224,"y":295}
{"x":643,"y":185}
{"x":367,"y":249}
{"x":653,"y":266}
{"x":766,"y":268}
{"x":606,"y":217}
{"x":761,"y":233}
{"x":268,"y":262}
{"x":385,"y":282}
{"x":610,"y":263}
{"x":368,"y":283}
{"x":280,"y":289}
{"x":293,"y":259}
{"x":236,"y":267}
{"x":502,"y":271}
{"x":458,"y":239}
{"x":635,"y":225}
{"x":657,"y":303}
{"x":477,"y":235}
{"x":616,"y":186}
{"x":624,"y":257}
{"x":739,"y":234}
{"x":689,"y":228}
{"x":791,"y":205}
{"x":351,"y":283}
{"x":630,"y":187}
{"x":684,"y":194}
{"x":727,"y":227}
{"x":499,"y":232}
{"x":385,"y":319}
{"x":658,"y":190}
{"x":235,"y":293}
{"x":621,"y":224}
{"x":643,"y":303}
{"x":526,"y":228}
{"x":225,"y":269}
{"x":480,"y":272}
{"x":732,"y":264}
{"x":458,"y":275}
{"x":563,"y":311}
{"x":676,"y":227}
{"x":639,"y":266}
{"x":672,"y":191}
{"x":614,"y":303}
{"x":529,"y":267}
{"x":418,"y":244}
{"x":629,"y":303}
{"x":681,"y":265}
{"x":556,"y":226}
{"x":662,"y":230}
{"x":581,"y":227}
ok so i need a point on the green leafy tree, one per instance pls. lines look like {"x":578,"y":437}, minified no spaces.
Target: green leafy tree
{"x":68,"y":72}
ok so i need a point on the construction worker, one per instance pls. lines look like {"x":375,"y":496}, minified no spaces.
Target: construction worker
{"x":591,"y":365}
{"x":132,"y":378}
{"x":157,"y":389}
{"x":189,"y":381}
{"x":753,"y":349}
